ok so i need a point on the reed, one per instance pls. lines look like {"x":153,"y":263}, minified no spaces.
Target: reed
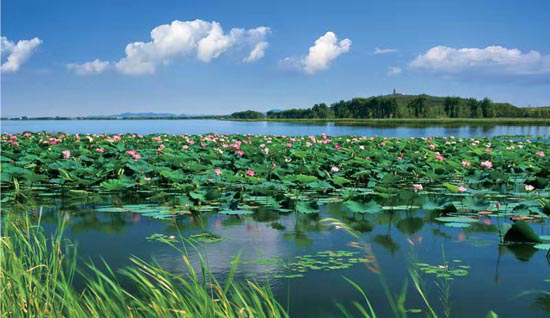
{"x":37,"y":274}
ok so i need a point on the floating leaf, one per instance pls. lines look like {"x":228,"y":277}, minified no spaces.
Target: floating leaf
{"x":236,"y":212}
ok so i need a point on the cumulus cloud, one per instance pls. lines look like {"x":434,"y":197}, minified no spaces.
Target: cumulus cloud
{"x":394,"y":70}
{"x":203,"y":40}
{"x":89,"y":68}
{"x":16,"y":54}
{"x":378,"y":51}
{"x":321,"y":54}
{"x":492,"y":60}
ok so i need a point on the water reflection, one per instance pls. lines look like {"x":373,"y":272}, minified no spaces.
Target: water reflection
{"x":273,"y":128}
{"x":496,"y":272}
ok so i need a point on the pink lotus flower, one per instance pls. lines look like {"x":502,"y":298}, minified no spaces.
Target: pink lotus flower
{"x":184,"y":147}
{"x":529,"y":188}
{"x":439,"y":156}
{"x":487,"y":164}
{"x":250,"y":173}
{"x":239,"y":153}
{"x":488,"y":150}
{"x":308,"y":144}
{"x":417,"y":187}
{"x":100,"y":150}
{"x":337,"y":147}
{"x":289,"y":145}
{"x":334,"y":169}
{"x":465,"y":163}
{"x":462,"y":189}
{"x":540,"y":154}
{"x":66,"y":154}
{"x":432,"y":146}
{"x":133,"y":154}
{"x":218,"y":172}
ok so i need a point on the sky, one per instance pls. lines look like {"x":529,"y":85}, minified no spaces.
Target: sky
{"x":77,"y":57}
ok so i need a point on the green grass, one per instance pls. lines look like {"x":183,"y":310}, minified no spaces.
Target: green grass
{"x":37,"y":274}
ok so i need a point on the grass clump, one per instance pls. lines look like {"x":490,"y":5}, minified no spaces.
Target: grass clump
{"x":37,"y":275}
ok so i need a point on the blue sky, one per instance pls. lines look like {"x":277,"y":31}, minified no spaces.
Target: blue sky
{"x":305,"y":52}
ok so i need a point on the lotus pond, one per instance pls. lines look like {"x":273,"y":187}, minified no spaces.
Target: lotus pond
{"x":424,"y":227}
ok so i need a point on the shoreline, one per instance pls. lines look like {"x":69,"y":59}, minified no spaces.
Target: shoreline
{"x":338,"y":121}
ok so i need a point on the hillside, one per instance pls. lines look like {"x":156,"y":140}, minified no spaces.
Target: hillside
{"x":404,"y":106}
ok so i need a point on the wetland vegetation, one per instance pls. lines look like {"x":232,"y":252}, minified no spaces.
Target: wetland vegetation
{"x":220,"y":203}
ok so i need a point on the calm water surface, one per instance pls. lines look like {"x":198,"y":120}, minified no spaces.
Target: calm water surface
{"x":497,"y":276}
{"x":262,"y":128}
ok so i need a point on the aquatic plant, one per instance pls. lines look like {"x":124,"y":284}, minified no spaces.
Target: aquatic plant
{"x":37,"y":277}
{"x":237,"y":173}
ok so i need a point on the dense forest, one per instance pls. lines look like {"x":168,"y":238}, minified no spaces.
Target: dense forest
{"x":404,"y":106}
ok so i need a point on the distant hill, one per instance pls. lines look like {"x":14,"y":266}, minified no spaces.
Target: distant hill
{"x":404,"y":106}
{"x":145,"y":115}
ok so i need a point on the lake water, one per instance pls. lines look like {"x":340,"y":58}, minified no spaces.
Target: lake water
{"x":262,"y":128}
{"x":277,"y":246}
{"x":495,"y":277}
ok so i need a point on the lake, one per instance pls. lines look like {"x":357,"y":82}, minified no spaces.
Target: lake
{"x":304,"y":259}
{"x":265,"y":128}
{"x":494,"y":276}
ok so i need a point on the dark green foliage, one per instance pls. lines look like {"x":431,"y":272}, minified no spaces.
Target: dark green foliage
{"x":410,"y":106}
{"x":521,"y":232}
{"x":248,"y":114}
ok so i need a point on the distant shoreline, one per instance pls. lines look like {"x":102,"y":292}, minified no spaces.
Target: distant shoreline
{"x":382,"y":121}
{"x":340,"y":121}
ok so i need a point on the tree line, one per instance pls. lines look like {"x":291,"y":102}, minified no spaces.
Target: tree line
{"x":403,"y":106}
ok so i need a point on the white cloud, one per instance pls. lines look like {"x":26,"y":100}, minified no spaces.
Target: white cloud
{"x":16,"y":54}
{"x":321,"y":54}
{"x":89,"y":68}
{"x":204,"y":40}
{"x":326,"y":49}
{"x":492,"y":60}
{"x":394,"y":70}
{"x":257,"y":53}
{"x":383,"y":51}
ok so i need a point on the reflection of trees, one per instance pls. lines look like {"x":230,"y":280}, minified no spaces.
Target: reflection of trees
{"x":359,"y":223}
{"x":187,"y":222}
{"x":410,"y":225}
{"x":542,"y":301}
{"x":266,"y":215}
{"x":442,"y":234}
{"x":522,"y":252}
{"x":387,"y":242}
{"x":114,"y":224}
{"x":481,"y":228}
{"x":305,"y":223}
